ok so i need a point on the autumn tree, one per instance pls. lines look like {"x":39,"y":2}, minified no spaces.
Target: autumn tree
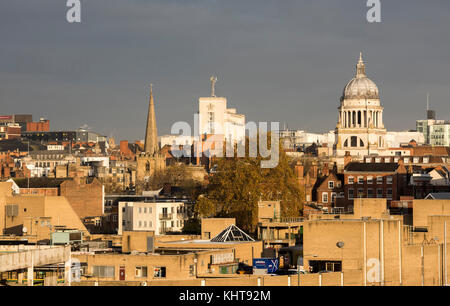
{"x":238,"y":184}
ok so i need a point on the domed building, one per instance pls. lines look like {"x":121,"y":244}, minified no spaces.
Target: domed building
{"x":360,"y":130}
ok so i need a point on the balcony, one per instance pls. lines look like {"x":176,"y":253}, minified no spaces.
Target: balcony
{"x":182,"y":216}
{"x":165,"y":216}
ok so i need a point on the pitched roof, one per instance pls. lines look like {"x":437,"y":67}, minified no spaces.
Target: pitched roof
{"x":438,"y":196}
{"x":232,"y":233}
{"x":429,"y":150}
{"x":371,"y":167}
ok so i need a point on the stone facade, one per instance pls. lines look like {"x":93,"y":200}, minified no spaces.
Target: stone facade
{"x":360,"y":129}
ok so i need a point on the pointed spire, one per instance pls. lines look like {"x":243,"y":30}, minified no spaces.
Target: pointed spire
{"x":360,"y":67}
{"x":151,"y":134}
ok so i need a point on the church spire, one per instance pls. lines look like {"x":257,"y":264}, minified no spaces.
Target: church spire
{"x":360,"y":67}
{"x":151,"y":133}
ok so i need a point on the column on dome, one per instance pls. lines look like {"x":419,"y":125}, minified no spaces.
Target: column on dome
{"x":365,"y":118}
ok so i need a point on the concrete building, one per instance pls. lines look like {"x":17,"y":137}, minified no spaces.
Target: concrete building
{"x":435,"y":132}
{"x":160,"y":217}
{"x":216,"y":119}
{"x":371,"y":247}
{"x":19,"y":263}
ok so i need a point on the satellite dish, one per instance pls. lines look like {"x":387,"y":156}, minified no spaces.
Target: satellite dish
{"x":24,"y":230}
{"x":340,"y":244}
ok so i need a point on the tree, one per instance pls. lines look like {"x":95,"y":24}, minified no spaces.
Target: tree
{"x":239,"y":183}
{"x":192,"y":227}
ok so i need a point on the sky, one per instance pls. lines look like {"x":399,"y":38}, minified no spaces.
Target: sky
{"x":276,"y":60}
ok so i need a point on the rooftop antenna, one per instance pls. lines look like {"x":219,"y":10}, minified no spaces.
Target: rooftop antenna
{"x":213,"y":80}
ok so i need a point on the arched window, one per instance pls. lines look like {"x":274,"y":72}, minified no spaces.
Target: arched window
{"x":361,"y":143}
{"x":346,"y":143}
{"x":354,"y":141}
{"x":147,"y":166}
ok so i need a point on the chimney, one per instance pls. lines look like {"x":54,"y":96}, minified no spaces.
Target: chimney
{"x":299,"y":170}
{"x":325,"y":170}
{"x":314,"y":170}
{"x":347,"y":159}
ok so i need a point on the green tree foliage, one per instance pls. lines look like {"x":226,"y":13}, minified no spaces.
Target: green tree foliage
{"x":192,"y":227}
{"x":236,"y":187}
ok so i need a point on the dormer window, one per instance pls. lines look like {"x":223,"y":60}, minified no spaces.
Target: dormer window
{"x":331,"y":184}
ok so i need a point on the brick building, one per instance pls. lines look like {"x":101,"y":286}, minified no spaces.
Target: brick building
{"x":374,"y":180}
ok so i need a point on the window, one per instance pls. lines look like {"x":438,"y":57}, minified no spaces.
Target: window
{"x":140,"y":209}
{"x":354,"y":141}
{"x":370,"y":193}
{"x":333,"y":197}
{"x":191,"y":270}
{"x":360,"y":180}
{"x":370,"y":180}
{"x":351,"y":180}
{"x":389,"y":180}
{"x":379,"y":180}
{"x":159,"y":272}
{"x":379,"y":193}
{"x":389,"y":194}
{"x":331,"y":185}
{"x":360,"y":193}
{"x":351,"y":194}
{"x":141,"y":271}
{"x":103,"y":271}
{"x":145,"y":210}
{"x":325,"y":197}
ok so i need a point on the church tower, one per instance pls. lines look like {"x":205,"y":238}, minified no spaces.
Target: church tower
{"x":360,"y":130}
{"x":151,"y":134}
{"x":151,"y":159}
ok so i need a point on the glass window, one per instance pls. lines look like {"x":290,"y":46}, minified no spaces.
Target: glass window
{"x":389,"y":194}
{"x":379,"y":193}
{"x":330,"y":184}
{"x":351,"y":194}
{"x":360,"y":180}
{"x":141,"y":271}
{"x":159,"y":272}
{"x":325,"y":197}
{"x":351,"y":180}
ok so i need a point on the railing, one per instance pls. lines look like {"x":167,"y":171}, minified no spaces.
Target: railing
{"x":181,"y":216}
{"x":165,"y":216}
{"x":14,"y":258}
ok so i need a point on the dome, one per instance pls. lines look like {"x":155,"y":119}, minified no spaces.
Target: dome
{"x":360,"y":86}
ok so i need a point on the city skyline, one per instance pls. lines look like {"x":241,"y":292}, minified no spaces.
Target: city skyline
{"x":269,"y":62}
